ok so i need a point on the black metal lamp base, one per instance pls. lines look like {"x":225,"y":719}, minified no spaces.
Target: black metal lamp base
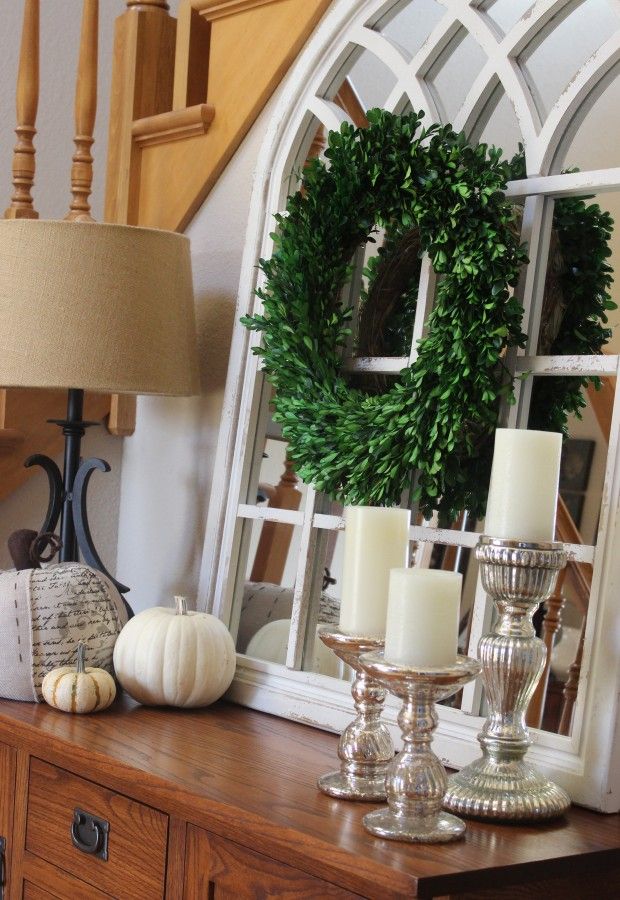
{"x":67,"y":500}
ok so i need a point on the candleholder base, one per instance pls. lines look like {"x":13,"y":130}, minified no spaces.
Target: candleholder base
{"x":365,"y":747}
{"x":416,"y":779}
{"x":442,"y":828}
{"x":505,"y":790}
{"x":502,"y":785}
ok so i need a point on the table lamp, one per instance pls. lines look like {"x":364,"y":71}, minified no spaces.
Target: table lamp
{"x":95,"y":307}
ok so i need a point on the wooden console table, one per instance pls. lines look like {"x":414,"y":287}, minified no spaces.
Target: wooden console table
{"x":221,"y":803}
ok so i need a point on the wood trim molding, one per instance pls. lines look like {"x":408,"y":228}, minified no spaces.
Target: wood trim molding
{"x":219,"y":9}
{"x":172,"y":126}
{"x":247,"y":58}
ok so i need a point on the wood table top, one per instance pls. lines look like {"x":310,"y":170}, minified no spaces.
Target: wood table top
{"x":251,"y":778}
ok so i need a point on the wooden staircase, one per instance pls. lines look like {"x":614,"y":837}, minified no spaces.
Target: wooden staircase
{"x":184,"y":94}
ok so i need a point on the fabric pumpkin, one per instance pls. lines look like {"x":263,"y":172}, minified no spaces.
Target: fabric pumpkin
{"x":44,"y":615}
{"x":172,"y":657}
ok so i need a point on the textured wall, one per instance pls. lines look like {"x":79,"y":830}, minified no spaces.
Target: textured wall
{"x":168,"y":463}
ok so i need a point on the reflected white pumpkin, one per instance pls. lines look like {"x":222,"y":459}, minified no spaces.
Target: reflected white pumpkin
{"x":175,"y":657}
{"x":270,"y":643}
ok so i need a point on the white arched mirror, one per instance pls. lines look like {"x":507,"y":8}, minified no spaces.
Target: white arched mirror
{"x":544,"y":75}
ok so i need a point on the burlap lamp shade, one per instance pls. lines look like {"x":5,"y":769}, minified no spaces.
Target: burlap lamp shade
{"x":96,"y":307}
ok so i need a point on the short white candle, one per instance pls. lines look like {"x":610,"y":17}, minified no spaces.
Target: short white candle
{"x":376,"y":540}
{"x":423,"y":618}
{"x":523,"y":493}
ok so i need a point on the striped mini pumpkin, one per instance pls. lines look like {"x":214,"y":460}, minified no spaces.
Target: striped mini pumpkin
{"x":79,"y":689}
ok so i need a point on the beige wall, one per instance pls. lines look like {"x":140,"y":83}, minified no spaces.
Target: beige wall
{"x":168,"y":463}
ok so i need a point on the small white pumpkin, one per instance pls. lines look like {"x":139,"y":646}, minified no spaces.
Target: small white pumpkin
{"x":82,"y":689}
{"x":175,"y":657}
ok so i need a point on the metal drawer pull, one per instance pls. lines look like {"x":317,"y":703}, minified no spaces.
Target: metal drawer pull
{"x":90,"y":834}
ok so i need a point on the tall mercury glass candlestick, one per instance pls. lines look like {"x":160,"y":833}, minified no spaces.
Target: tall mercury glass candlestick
{"x":519,"y":566}
{"x":376,"y":540}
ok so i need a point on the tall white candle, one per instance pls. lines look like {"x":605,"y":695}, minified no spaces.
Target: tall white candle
{"x":423,"y":618}
{"x":523,"y":493}
{"x":376,"y":540}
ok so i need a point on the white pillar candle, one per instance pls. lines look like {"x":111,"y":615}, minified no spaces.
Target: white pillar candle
{"x":423,"y":618}
{"x":523,"y":493}
{"x":376,"y":540}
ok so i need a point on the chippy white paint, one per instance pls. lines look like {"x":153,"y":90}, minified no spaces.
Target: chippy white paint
{"x":582,"y":762}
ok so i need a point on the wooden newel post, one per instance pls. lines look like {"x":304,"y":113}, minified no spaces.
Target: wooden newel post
{"x":27,"y":101}
{"x":142,"y":83}
{"x":85,"y":112}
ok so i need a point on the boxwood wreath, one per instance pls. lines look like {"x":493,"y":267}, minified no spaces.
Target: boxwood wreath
{"x":431,"y":192}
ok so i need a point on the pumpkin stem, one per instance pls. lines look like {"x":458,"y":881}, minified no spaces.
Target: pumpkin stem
{"x":80,"y":666}
{"x":181,"y":605}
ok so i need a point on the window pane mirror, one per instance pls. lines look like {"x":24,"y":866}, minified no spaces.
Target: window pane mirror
{"x":273,"y":553}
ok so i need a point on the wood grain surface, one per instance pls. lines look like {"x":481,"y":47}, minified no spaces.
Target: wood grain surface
{"x":251,"y":778}
{"x":137,"y":836}
{"x":35,"y":892}
{"x":45,"y":880}
{"x":223,"y":870}
{"x":7,"y":792}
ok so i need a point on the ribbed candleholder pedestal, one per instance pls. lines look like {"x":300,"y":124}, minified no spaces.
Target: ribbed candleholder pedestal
{"x":365,"y":747}
{"x":416,"y":779}
{"x":502,"y":785}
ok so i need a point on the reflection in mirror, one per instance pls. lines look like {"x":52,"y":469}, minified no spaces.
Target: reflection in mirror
{"x":579,"y":149}
{"x":454,"y":72}
{"x":506,"y":13}
{"x":383,"y":324}
{"x":410,"y":26}
{"x":501,"y":129}
{"x":371,"y":79}
{"x":266,"y":592}
{"x":327,"y":592}
{"x":561,"y":621}
{"x":570,"y":43}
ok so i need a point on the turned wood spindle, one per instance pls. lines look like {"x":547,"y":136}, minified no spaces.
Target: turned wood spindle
{"x":550,"y":627}
{"x":85,"y":112}
{"x":275,"y":538}
{"x":27,"y":101}
{"x":571,"y":687}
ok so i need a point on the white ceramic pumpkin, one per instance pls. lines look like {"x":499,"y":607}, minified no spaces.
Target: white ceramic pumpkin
{"x":175,"y":657}
{"x":79,"y":689}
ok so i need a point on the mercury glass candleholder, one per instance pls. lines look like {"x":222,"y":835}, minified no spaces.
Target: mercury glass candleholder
{"x":502,"y":785}
{"x":416,"y":779}
{"x":365,"y":747}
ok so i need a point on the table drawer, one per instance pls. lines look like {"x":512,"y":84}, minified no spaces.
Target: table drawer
{"x":136,"y":835}
{"x":34,"y":892}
